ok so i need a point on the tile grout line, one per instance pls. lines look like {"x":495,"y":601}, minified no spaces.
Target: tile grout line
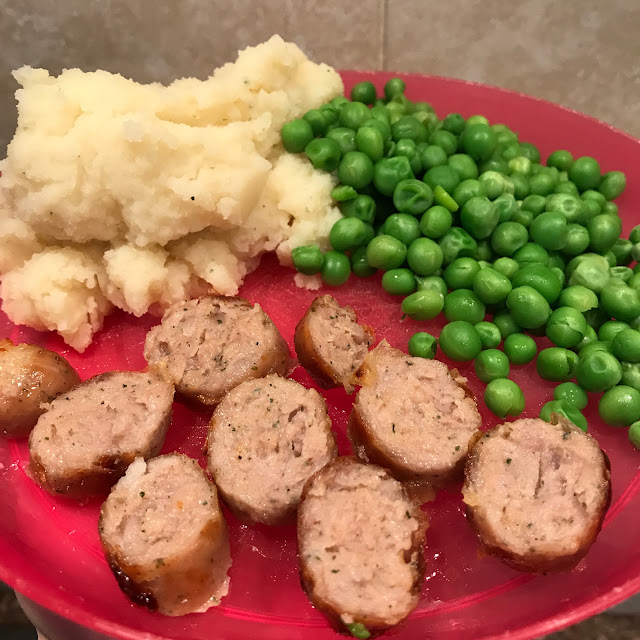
{"x":383,"y":34}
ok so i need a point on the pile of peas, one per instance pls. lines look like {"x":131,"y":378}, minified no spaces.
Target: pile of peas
{"x":464,"y":220}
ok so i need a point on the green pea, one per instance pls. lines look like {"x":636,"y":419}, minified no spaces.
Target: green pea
{"x":446,"y":140}
{"x":477,"y":119}
{"x":506,"y":324}
{"x":556,"y":364}
{"x":370,"y":141}
{"x":412,"y":196}
{"x":534,"y":203}
{"x":578,"y":297}
{"x":484,"y":252}
{"x":358,"y":630}
{"x":508,"y":237}
{"x":598,"y":371}
{"x":347,"y":234}
{"x":567,"y":187}
{"x":571,"y":394}
{"x":530,"y":151}
{"x":436,"y":283}
{"x":424,"y":256}
{"x":461,"y":272}
{"x":585,"y":173}
{"x":589,"y":209}
{"x":464,"y":166}
{"x":343,"y":193}
{"x":631,"y":375}
{"x":610,"y":329}
{"x":568,"y":205}
{"x":442,"y":198}
{"x":435,"y":222}
{"x":454,"y":123}
{"x":296,"y":135}
{"x":612,"y":184}
{"x":610,"y":208}
{"x":622,"y":251}
{"x":494,"y":184}
{"x":590,"y":337}
{"x":604,"y":230}
{"x":528,"y":307}
{"x":591,"y":275}
{"x":318,"y":121}
{"x":496,"y":164}
{"x":407,"y":127}
{"x":338,"y":102}
{"x":620,"y":406}
{"x":478,"y":140}
{"x":507,"y":207}
{"x":491,"y":286}
{"x":308,"y":260}
{"x":386,"y":252}
{"x":364,"y":92}
{"x":489,"y":334}
{"x":621,"y":301}
{"x":466,"y":190}
{"x":403,"y":227}
{"x":408,"y":149}
{"x":542,"y":184}
{"x":622,"y":274}
{"x":362,"y":207}
{"x":422,"y":345}
{"x":523,"y":217}
{"x":399,"y":282}
{"x":491,"y":364}
{"x":479,"y":217}
{"x":394,"y":87}
{"x":509,"y":151}
{"x":520,"y":348}
{"x":506,"y":266}
{"x":566,"y":327}
{"x":520,"y":165}
{"x":549,"y":230}
{"x":577,"y":240}
{"x":531,"y":253}
{"x":336,"y":268}
{"x":423,"y":305}
{"x":324,"y":154}
{"x":456,"y":242}
{"x":460,"y":341}
{"x":433,"y":156}
{"x":354,"y":115}
{"x":560,"y":159}
{"x":463,"y":304}
{"x":356,"y":169}
{"x":541,"y":278}
{"x":443,"y":176}
{"x":359,"y":264}
{"x":560,"y":407}
{"x":625,"y":345}
{"x":344,"y":138}
{"x":504,"y":398}
{"x":389,"y":172}
{"x":634,"y":435}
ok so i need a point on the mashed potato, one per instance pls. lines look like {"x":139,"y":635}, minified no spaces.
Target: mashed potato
{"x":119,"y":194}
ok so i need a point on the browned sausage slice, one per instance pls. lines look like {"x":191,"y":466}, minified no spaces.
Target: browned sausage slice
{"x":88,"y":436}
{"x":330,"y":343}
{"x":413,"y":417}
{"x":267,"y":437}
{"x":537,"y":493}
{"x":165,"y":538}
{"x":360,"y":543}
{"x":29,"y":377}
{"x":208,"y":346}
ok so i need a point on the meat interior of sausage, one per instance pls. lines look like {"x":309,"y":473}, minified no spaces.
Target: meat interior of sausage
{"x":208,"y":345}
{"x":339,"y":339}
{"x":358,"y":528}
{"x":270,"y":435}
{"x":538,"y":487}
{"x":160,"y":508}
{"x":414,"y":408}
{"x":106,"y":416}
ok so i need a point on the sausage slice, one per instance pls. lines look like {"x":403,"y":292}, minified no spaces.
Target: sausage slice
{"x":88,"y":436}
{"x":29,"y":377}
{"x":330,"y":343}
{"x":360,"y":543}
{"x":537,"y":493}
{"x":165,"y":538}
{"x":267,"y":437}
{"x":413,"y":416}
{"x":208,"y":346}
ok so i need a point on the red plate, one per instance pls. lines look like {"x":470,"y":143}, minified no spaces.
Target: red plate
{"x":50,"y":548}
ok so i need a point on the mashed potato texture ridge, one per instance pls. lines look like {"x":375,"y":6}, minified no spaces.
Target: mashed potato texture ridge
{"x":115,"y":193}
